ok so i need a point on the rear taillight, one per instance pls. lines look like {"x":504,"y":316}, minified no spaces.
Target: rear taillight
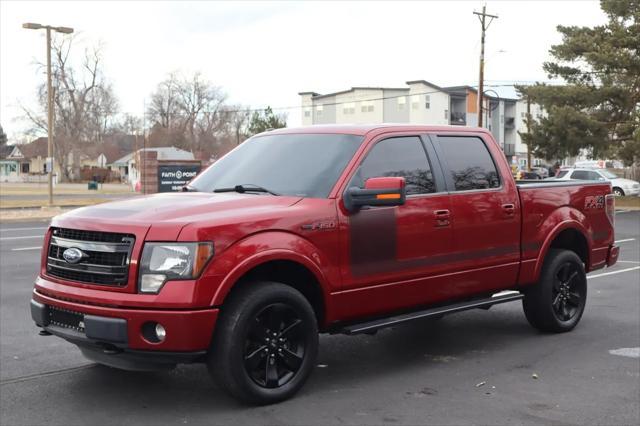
{"x":611,"y":209}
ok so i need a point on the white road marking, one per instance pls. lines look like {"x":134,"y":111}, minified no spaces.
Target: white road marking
{"x":614,"y":272}
{"x":627,"y":261}
{"x":625,"y":240}
{"x":628,"y":352}
{"x":21,"y":229}
{"x":21,"y":238}
{"x":26,"y":248}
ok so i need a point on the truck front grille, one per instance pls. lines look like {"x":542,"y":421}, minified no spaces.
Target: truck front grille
{"x":105,"y":256}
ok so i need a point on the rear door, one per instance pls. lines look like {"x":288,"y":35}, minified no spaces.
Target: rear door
{"x":485,"y":213}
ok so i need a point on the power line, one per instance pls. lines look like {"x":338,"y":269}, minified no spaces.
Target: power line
{"x":293,"y":107}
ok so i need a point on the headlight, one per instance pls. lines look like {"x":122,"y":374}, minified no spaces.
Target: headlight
{"x":171,"y":261}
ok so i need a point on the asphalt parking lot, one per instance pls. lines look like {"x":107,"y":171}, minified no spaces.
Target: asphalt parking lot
{"x":476,"y":367}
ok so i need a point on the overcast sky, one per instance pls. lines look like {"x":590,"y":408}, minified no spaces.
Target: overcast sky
{"x":264,"y":53}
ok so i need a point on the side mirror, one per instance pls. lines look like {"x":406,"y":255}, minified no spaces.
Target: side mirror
{"x":379,"y":191}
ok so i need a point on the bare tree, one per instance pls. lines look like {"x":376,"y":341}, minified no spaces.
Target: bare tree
{"x":85,"y":105}
{"x":164,"y":102}
{"x":239,"y":122}
{"x":128,"y":124}
{"x":190,"y":111}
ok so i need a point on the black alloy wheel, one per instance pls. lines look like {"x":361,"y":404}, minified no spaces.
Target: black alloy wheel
{"x":557,"y":301}
{"x":274,"y":346}
{"x":567,"y":292}
{"x":265,"y":344}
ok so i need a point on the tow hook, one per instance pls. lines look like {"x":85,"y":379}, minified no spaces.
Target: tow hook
{"x":109,"y":349}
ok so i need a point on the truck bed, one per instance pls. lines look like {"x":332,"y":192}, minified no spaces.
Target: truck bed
{"x":551,"y":207}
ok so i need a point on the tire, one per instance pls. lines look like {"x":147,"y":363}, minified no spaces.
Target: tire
{"x":618,"y":192}
{"x":556,"y":303}
{"x":265,"y":344}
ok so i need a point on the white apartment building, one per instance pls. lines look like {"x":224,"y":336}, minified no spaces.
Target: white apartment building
{"x":422,"y":102}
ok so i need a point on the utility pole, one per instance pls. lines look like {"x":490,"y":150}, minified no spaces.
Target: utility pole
{"x":49,"y":119}
{"x":50,"y":161}
{"x":528,"y":131}
{"x":485,"y":25}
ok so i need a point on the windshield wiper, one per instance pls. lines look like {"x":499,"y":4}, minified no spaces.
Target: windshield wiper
{"x":245,"y":188}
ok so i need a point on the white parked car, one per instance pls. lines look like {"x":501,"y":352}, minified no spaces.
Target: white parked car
{"x":619,"y":185}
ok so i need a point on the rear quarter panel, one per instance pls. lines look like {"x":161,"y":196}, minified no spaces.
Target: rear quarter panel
{"x":549,"y":209}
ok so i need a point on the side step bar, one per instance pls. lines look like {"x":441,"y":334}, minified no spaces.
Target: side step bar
{"x":372,"y":326}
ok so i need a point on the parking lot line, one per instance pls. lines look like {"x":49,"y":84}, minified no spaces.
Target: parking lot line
{"x":625,"y":240}
{"x":614,"y":272}
{"x":21,"y":238}
{"x":26,"y":248}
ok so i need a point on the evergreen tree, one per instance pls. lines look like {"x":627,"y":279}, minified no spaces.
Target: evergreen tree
{"x":599,"y":106}
{"x":3,"y":136}
{"x":261,"y":121}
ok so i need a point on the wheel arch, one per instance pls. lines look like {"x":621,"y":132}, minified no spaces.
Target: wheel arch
{"x":568,"y":235}
{"x":619,"y":189}
{"x":283,"y":266}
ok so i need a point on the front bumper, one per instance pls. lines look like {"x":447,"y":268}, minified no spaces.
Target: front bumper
{"x":115,"y":336}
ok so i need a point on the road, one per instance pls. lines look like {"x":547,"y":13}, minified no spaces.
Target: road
{"x":475,"y":367}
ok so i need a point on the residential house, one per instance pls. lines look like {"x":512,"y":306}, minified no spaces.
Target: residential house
{"x":33,"y":159}
{"x":26,"y":162}
{"x":9,"y":164}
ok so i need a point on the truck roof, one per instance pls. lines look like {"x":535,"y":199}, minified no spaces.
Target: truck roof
{"x":363,"y":129}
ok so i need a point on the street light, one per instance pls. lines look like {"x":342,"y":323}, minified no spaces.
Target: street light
{"x":63,"y":30}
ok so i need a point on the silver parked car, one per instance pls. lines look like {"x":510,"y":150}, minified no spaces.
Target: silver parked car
{"x":620,"y":186}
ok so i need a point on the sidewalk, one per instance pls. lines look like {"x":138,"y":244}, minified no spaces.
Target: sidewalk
{"x":39,"y":189}
{"x":36,"y":195}
{"x":27,"y":214}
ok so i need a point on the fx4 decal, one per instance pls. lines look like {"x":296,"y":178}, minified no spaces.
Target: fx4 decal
{"x":594,"y":202}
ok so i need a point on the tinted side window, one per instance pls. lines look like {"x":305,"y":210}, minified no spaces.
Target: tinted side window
{"x":402,"y":156}
{"x":580,"y":174}
{"x":561,"y":173}
{"x":595,"y":176}
{"x":470,"y":164}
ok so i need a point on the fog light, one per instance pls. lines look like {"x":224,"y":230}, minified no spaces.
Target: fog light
{"x":153,"y":332}
{"x":161,"y":333}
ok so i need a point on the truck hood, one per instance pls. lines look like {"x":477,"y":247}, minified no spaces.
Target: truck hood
{"x":170,"y":211}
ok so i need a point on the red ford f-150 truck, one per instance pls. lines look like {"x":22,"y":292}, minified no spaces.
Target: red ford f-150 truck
{"x":296,"y":232}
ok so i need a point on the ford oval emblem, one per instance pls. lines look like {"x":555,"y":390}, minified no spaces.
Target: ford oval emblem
{"x":73,"y":255}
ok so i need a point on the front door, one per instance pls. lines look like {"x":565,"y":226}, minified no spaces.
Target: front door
{"x":396,"y":255}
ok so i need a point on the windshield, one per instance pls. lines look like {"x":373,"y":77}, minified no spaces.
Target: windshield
{"x":302,"y":165}
{"x":608,"y":174}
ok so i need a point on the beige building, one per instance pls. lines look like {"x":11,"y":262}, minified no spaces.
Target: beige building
{"x":422,"y":102}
